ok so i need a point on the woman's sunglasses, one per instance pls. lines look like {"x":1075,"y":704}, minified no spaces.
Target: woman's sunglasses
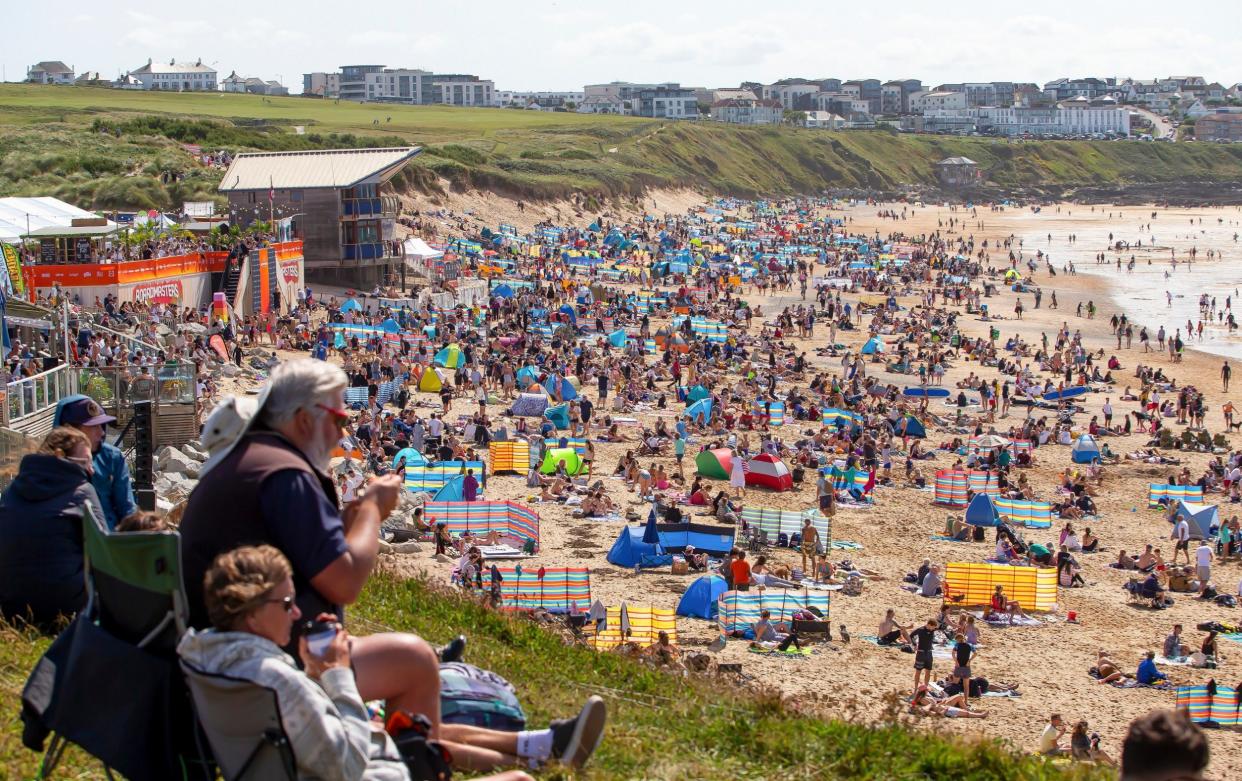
{"x":286,"y":602}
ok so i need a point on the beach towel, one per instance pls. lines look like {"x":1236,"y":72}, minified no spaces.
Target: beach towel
{"x":942,"y":538}
{"x":1006,"y":693}
{"x":791,"y":652}
{"x":844,"y":545}
{"x":1003,"y":621}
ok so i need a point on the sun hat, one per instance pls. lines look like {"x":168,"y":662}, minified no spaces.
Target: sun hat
{"x":226,"y":425}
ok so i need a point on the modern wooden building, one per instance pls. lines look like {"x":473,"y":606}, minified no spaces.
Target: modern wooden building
{"x":334,"y":201}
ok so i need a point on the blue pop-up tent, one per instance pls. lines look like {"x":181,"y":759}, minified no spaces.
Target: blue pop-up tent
{"x":502,"y":291}
{"x":351,"y":306}
{"x":874,"y":345}
{"x":1085,"y":450}
{"x":559,"y":415}
{"x":699,"y":601}
{"x":697,"y":392}
{"x":629,"y":548}
{"x":982,"y":511}
{"x":452,"y":491}
{"x":617,"y":338}
{"x":913,"y":426}
{"x":1199,"y":517}
{"x":700,"y":410}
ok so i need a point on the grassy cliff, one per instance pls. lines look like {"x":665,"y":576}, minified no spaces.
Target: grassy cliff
{"x":111,"y":148}
{"x":661,"y":726}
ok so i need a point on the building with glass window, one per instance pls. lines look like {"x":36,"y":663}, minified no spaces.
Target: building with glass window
{"x":336,"y":201}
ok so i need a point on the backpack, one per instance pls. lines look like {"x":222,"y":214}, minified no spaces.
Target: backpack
{"x":479,"y":698}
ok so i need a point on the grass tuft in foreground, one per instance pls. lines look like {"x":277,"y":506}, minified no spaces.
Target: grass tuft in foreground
{"x":661,"y":726}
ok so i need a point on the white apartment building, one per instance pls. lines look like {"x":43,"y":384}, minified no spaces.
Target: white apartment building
{"x":1057,"y":120}
{"x":325,"y":85}
{"x":925,"y":100}
{"x":176,"y":76}
{"x":739,"y":111}
{"x":790,"y":96}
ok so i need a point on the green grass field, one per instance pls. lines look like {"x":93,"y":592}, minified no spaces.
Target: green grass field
{"x":661,"y":726}
{"x":106,"y":148}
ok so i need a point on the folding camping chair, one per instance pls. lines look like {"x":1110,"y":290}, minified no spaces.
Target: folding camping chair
{"x":109,"y":682}
{"x":242,"y":722}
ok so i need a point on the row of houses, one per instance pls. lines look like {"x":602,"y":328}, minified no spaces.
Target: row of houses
{"x":171,"y":76}
{"x":410,"y":86}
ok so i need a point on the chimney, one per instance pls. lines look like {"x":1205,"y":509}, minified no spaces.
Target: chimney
{"x":172,"y":61}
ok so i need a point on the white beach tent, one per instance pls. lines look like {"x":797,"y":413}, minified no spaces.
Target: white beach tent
{"x":1200,"y":518}
{"x":417,"y":249}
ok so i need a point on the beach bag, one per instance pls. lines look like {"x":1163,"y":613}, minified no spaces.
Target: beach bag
{"x":1226,"y":600}
{"x":478,"y":698}
{"x":853,"y":586}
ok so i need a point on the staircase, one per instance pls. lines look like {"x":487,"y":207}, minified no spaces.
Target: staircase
{"x":232,"y":277}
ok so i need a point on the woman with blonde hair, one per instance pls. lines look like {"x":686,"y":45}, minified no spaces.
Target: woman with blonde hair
{"x":250,"y":600}
{"x":41,"y":516}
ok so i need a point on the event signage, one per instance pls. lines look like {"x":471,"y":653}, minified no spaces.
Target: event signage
{"x":158,"y":292}
{"x":13,"y":262}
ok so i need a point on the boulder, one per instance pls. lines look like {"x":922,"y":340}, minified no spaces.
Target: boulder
{"x":230,"y":369}
{"x":172,"y":461}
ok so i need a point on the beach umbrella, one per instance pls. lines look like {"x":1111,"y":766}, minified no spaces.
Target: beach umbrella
{"x":989,"y":441}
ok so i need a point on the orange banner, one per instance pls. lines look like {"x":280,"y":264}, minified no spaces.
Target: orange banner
{"x":129,"y":271}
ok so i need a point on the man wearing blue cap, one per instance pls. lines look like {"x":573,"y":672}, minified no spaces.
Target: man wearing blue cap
{"x":111,"y":478}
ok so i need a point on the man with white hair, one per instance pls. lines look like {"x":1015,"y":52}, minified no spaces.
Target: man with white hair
{"x":265,"y":482}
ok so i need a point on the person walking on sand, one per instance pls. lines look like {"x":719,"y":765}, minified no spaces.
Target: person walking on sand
{"x":737,"y":475}
{"x":1225,"y":373}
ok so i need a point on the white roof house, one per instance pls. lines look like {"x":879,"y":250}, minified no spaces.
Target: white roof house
{"x":176,"y":76}
{"x":22,"y":216}
{"x":336,"y":168}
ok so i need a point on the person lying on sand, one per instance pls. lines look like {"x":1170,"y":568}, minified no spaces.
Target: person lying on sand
{"x":1106,"y":669}
{"x":950,"y":707}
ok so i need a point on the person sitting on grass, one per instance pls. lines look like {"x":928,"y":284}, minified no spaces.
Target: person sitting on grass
{"x":953,"y":707}
{"x":252,"y":606}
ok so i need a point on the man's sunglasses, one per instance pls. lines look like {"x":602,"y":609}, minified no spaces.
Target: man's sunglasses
{"x":340,"y":416}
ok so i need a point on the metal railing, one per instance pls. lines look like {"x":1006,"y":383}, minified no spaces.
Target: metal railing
{"x":33,"y":395}
{"x":115,"y":387}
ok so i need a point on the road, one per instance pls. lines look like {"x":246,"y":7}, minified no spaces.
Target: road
{"x":1161,"y":125}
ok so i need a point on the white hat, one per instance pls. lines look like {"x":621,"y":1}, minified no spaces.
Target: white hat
{"x":226,"y":425}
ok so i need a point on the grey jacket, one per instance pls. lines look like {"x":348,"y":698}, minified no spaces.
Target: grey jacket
{"x":326,"y":722}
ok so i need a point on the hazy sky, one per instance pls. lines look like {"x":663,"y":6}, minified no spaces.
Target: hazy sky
{"x":563,"y":44}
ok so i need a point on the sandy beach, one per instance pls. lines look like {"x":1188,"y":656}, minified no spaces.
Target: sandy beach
{"x":1050,"y":662}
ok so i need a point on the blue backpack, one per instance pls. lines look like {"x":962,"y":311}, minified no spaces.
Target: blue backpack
{"x":478,"y":698}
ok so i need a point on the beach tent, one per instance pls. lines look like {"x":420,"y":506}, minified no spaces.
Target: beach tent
{"x":391,"y":326}
{"x":527,"y":376}
{"x":430,"y":381}
{"x":450,"y":357}
{"x":432,"y":477}
{"x":739,"y":610}
{"x":412,"y":457}
{"x":701,"y":597}
{"x":1223,"y":708}
{"x":553,"y":456}
{"x":1034,"y":588}
{"x":982,"y":511}
{"x":351,"y":306}
{"x":617,"y":338}
{"x":700,"y":410}
{"x":914,"y":427}
{"x":559,"y":415}
{"x":502,"y":291}
{"x":1025,"y":512}
{"x":873,"y":346}
{"x":629,"y":550}
{"x":1200,"y":517}
{"x":530,"y":405}
{"x":1085,"y":450}
{"x":768,"y":471}
{"x":454,"y":490}
{"x":714,"y":463}
{"x":555,"y":589}
{"x":696,"y":393}
{"x":1161,"y":495}
{"x":562,"y":385}
{"x":509,"y":456}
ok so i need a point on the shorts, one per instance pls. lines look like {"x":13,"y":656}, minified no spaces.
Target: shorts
{"x":825,"y":502}
{"x":890,"y":638}
{"x":1182,"y":545}
{"x":741,"y":587}
{"x":961,"y":671}
{"x":922,"y":660}
{"x":1205,"y":573}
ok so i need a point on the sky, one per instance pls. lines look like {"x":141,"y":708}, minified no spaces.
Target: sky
{"x":564,"y":44}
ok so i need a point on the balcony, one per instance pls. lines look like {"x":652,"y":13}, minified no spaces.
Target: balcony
{"x":374,"y":250}
{"x":384,"y":206}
